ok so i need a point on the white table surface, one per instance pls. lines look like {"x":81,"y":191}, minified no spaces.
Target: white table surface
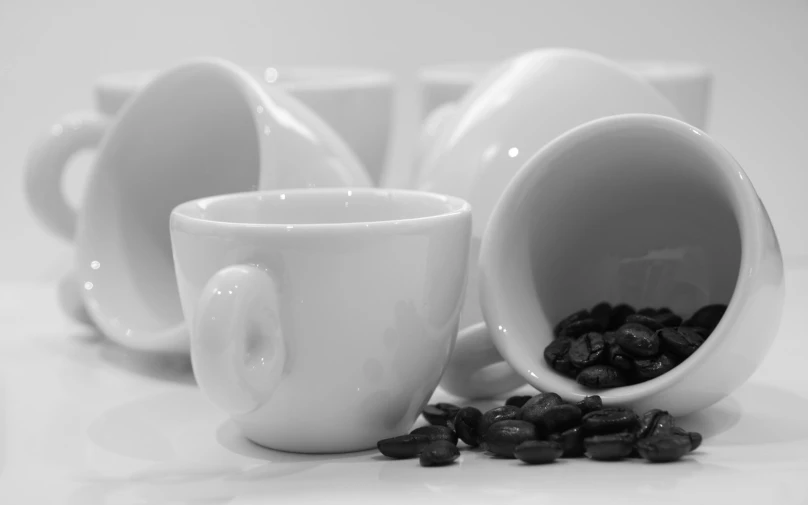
{"x":85,"y":422}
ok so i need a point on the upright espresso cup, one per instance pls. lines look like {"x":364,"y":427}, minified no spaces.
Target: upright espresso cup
{"x":321,"y":320}
{"x":661,"y":216}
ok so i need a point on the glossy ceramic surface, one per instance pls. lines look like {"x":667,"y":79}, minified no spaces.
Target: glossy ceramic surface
{"x":645,"y":210}
{"x":322,"y":320}
{"x":511,"y":114}
{"x":172,"y":143}
{"x":84,"y":421}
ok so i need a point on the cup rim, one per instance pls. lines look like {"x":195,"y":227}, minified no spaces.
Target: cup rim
{"x":186,"y":215}
{"x":744,"y":202}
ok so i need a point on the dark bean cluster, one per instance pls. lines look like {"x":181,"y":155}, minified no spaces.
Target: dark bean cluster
{"x":608,"y":346}
{"x":541,"y":429}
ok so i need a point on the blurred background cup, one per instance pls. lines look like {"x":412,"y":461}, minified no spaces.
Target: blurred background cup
{"x":299,"y":305}
{"x":201,"y":128}
{"x":638,"y":209}
{"x":687,"y":85}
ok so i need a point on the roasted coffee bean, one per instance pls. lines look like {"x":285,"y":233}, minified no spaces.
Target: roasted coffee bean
{"x":517,"y":401}
{"x":664,"y":310}
{"x":651,"y":368}
{"x":638,"y":340}
{"x":655,"y":422}
{"x":664,"y":448}
{"x":571,"y":440}
{"x":707,"y":317}
{"x":557,"y":355}
{"x":503,"y":437}
{"x":575,"y":316}
{"x":681,"y":341}
{"x":435,"y":433}
{"x":536,"y":452}
{"x":668,"y":319}
{"x":466,"y":423}
{"x":610,"y":338}
{"x":648,"y":321}
{"x":610,"y":420}
{"x":601,"y":377}
{"x":587,"y":350}
{"x":534,"y":408}
{"x":404,"y":446}
{"x":558,"y":418}
{"x":618,"y":358}
{"x":601,"y":313}
{"x":619,"y":315}
{"x":440,"y":414}
{"x":578,"y":328}
{"x":590,"y":404}
{"x":695,"y":437}
{"x":495,"y":415}
{"x":439,"y":453}
{"x":609,"y":447}
{"x":647,"y":311}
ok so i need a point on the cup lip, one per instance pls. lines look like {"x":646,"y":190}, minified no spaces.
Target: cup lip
{"x":681,"y":70}
{"x":185,"y":216}
{"x":745,"y":204}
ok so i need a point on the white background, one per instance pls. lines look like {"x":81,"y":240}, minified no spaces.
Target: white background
{"x":51,"y":52}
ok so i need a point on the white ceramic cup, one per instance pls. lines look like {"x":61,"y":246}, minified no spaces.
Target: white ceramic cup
{"x":640,"y":209}
{"x":202,"y":128}
{"x":321,"y":320}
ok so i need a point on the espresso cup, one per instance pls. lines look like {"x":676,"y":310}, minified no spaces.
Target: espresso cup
{"x":638,"y":209}
{"x":202,"y":128}
{"x":321,"y":320}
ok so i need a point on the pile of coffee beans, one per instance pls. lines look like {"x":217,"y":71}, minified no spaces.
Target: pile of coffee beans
{"x":607,"y":347}
{"x":541,"y":429}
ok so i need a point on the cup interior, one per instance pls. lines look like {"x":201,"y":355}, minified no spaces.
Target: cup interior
{"x":646,"y":212}
{"x":319,"y":207}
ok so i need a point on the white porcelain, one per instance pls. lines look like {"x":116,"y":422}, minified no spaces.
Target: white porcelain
{"x":641,"y":209}
{"x":511,"y":114}
{"x":321,"y":320}
{"x":202,"y":128}
{"x":687,"y":85}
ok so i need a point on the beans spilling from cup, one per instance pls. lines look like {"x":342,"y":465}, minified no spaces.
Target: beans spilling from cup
{"x":541,"y":429}
{"x":613,"y":346}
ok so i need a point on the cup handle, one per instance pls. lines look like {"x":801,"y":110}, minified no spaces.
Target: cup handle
{"x":476,"y":369}
{"x":237,"y":345}
{"x":46,"y":164}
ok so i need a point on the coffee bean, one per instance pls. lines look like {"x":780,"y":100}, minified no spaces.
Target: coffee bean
{"x":609,"y":447}
{"x":439,"y":453}
{"x":618,"y":358}
{"x":466,"y":423}
{"x":441,"y":414}
{"x":609,"y":420}
{"x":648,"y":321}
{"x":571,"y":440}
{"x":638,"y":340}
{"x":534,"y":408}
{"x":536,"y":452}
{"x":558,"y":418}
{"x":602,"y":313}
{"x":610,"y":338}
{"x":503,"y":437}
{"x":590,"y":404}
{"x":517,"y":401}
{"x":695,"y":437}
{"x":707,"y":317}
{"x":578,"y":328}
{"x":575,"y":316}
{"x":619,"y":315}
{"x":404,"y":446}
{"x":587,"y":350}
{"x":601,"y":376}
{"x":681,"y":341}
{"x":664,"y":310}
{"x":495,"y":415}
{"x":655,"y":422}
{"x":668,"y":319}
{"x":647,"y":311}
{"x":435,"y":433}
{"x":651,"y":368}
{"x":557,"y":355}
{"x":664,"y":448}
